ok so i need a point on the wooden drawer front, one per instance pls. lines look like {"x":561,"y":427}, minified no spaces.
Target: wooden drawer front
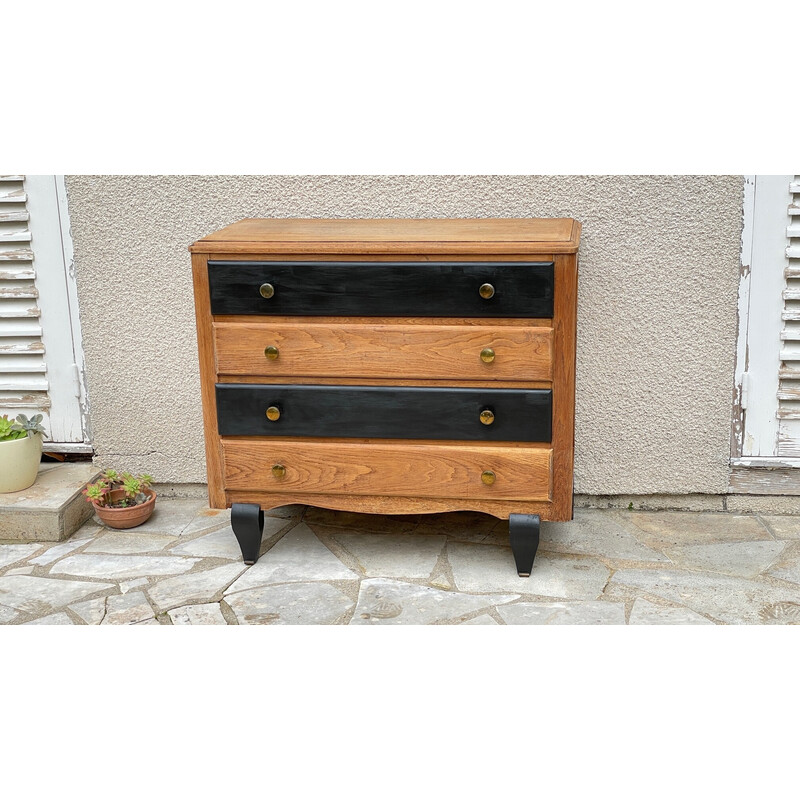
{"x":384,"y":412}
{"x":415,"y":470}
{"x":384,"y":351}
{"x":416,"y":289}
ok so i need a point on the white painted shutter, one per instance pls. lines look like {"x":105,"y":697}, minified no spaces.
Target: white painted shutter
{"x":788,"y":411}
{"x":23,"y":378}
{"x":40,"y":354}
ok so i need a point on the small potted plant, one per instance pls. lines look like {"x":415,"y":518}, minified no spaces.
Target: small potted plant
{"x":122,"y":500}
{"x":20,"y":452}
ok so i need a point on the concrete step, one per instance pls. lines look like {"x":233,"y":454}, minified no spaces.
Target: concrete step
{"x":52,"y":509}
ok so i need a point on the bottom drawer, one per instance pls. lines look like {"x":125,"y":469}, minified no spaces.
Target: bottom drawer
{"x":411,"y":470}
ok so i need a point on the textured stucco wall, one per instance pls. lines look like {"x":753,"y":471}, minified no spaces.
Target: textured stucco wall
{"x":657,"y":307}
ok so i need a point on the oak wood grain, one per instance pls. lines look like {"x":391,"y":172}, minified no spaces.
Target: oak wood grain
{"x":420,"y":236}
{"x":427,"y":470}
{"x":384,"y":351}
{"x":205,"y":349}
{"x":456,"y":384}
{"x":381,"y":504}
{"x":565,"y":333}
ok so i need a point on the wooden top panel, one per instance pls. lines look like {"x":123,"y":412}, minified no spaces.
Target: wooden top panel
{"x":523,"y":236}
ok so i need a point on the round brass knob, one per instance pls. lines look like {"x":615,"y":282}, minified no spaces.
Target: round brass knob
{"x":278,"y":470}
{"x":273,"y":413}
{"x":487,"y":416}
{"x":271,"y":352}
{"x":267,"y":290}
{"x":486,"y":291}
{"x":487,"y":355}
{"x":488,"y":477}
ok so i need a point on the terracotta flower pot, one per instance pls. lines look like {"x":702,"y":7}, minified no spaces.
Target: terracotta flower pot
{"x":126,"y":517}
{"x":19,"y":463}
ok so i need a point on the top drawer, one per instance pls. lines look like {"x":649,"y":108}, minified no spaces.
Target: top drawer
{"x":375,"y":289}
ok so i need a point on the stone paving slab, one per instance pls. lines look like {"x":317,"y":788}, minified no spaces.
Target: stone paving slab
{"x":390,"y":602}
{"x":742,"y":559}
{"x":21,"y":570}
{"x":204,"y":614}
{"x":12,"y":553}
{"x":207,"y":519}
{"x":394,"y":555}
{"x":118,"y":567}
{"x":596,"y":533}
{"x":290,"y":604}
{"x":787,"y":567}
{"x":170,"y":517}
{"x":590,"y":612}
{"x":783,"y":527}
{"x":487,"y":568}
{"x":222,"y":543}
{"x":57,"y":551}
{"x":52,"y":619}
{"x":659,"y":529}
{"x":126,"y":586}
{"x":33,"y":595}
{"x":298,"y":556}
{"x":127,"y":609}
{"x":124,"y":543}
{"x":197,"y":587}
{"x":90,"y":611}
{"x":727,"y":599}
{"x":185,"y":567}
{"x":646,"y":613}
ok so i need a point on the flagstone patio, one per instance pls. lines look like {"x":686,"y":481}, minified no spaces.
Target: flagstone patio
{"x":607,"y":567}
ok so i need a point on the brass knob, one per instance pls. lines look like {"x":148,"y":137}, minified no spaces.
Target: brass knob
{"x":278,"y":470}
{"x":267,"y":290}
{"x":487,"y":355}
{"x":271,"y":352}
{"x":487,"y":416}
{"x":487,"y":476}
{"x":486,"y":291}
{"x":273,"y":413}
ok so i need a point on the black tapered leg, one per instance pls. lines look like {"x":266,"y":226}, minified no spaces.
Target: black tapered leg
{"x":247,"y":521}
{"x":523,"y":530}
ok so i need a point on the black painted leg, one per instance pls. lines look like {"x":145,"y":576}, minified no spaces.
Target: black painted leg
{"x":247,"y":521}
{"x":523,"y":530}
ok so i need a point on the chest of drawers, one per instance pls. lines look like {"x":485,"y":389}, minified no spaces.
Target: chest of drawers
{"x":389,"y":366}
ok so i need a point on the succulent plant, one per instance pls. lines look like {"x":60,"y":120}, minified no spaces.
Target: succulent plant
{"x":135,"y":487}
{"x":10,"y":430}
{"x":32,"y":425}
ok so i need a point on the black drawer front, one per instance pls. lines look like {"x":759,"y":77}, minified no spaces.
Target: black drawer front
{"x":385,"y":412}
{"x":377,"y":289}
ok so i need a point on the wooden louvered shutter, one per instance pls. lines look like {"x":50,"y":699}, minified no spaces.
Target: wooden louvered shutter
{"x":788,"y":443}
{"x":40,"y":357}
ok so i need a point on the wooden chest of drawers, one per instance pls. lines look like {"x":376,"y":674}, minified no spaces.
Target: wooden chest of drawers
{"x":389,"y":366}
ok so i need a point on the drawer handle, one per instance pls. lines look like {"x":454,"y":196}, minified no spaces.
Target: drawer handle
{"x":278,"y":470}
{"x":486,"y":291}
{"x":271,"y":352}
{"x":487,"y":416}
{"x":488,"y":477}
{"x":273,"y":413}
{"x":267,"y":290}
{"x":487,"y":355}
